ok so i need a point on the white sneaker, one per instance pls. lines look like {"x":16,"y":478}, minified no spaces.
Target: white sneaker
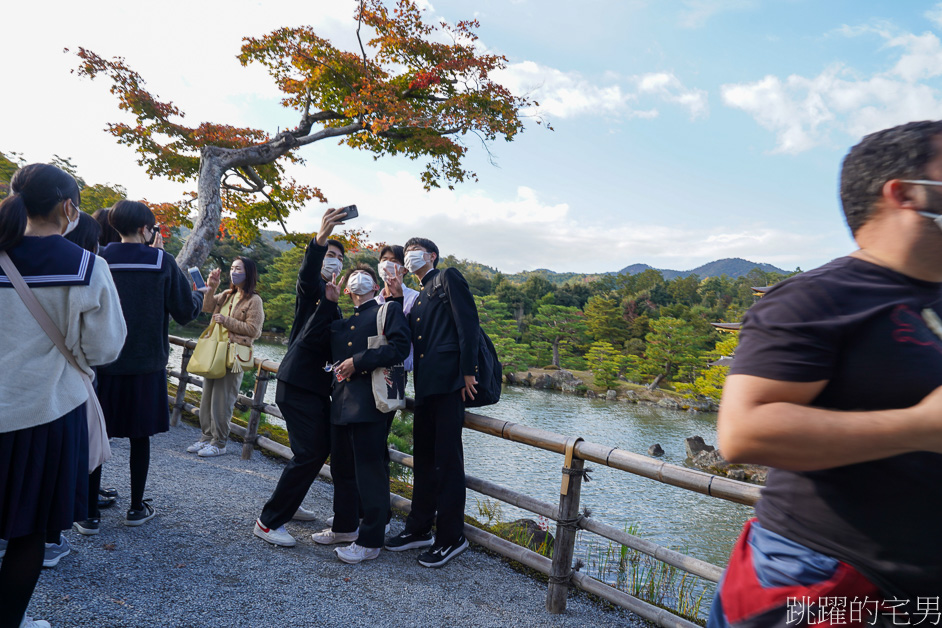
{"x":195,"y":447}
{"x":328,"y":537}
{"x":303,"y":514}
{"x":211,"y":450}
{"x":29,"y":622}
{"x":275,"y":537}
{"x":354,"y":553}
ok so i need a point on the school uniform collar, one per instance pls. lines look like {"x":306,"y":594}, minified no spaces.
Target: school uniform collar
{"x":366,"y":306}
{"x":50,"y":261}
{"x":133,"y":256}
{"x":429,"y":276}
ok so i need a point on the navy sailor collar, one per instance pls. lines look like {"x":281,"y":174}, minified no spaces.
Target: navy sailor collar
{"x":50,"y":261}
{"x":133,"y":256}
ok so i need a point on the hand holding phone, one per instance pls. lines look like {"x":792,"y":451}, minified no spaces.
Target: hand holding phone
{"x":197,"y":277}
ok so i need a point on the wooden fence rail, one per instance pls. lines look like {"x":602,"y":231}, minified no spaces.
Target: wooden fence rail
{"x":576,"y":453}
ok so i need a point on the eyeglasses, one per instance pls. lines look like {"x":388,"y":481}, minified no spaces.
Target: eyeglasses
{"x":921,"y":181}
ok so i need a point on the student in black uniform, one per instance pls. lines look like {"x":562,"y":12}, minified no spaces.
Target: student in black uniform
{"x":358,"y":428}
{"x":133,"y":389}
{"x":445,"y":331}
{"x":303,"y":394}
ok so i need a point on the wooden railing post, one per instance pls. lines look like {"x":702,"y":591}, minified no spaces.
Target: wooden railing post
{"x":566,"y":528}
{"x":182,"y":381}
{"x":258,"y":404}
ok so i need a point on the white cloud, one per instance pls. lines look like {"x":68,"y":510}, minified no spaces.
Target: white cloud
{"x":524,"y":231}
{"x":803,"y":111}
{"x":697,"y":12}
{"x":569,"y":94}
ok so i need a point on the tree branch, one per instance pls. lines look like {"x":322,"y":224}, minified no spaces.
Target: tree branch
{"x":360,"y":41}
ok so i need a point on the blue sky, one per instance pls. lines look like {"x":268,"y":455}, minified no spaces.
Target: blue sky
{"x":685,"y":130}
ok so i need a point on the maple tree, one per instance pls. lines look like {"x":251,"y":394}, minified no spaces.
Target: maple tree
{"x":413,"y":89}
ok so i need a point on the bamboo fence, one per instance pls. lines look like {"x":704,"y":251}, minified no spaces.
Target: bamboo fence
{"x":576,"y":453}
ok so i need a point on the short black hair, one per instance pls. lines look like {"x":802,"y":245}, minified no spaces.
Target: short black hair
{"x":129,"y":216}
{"x":901,"y":152}
{"x":86,"y":234}
{"x":366,"y":268}
{"x":339,"y":245}
{"x":108,"y":233}
{"x":426,"y":244}
{"x":398,"y":253}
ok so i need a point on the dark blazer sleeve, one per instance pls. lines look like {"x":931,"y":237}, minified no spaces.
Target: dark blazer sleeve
{"x":183,"y":304}
{"x":398,"y":339}
{"x":309,"y":275}
{"x":316,"y":332}
{"x":466,"y":319}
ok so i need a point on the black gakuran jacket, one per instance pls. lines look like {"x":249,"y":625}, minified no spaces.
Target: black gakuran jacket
{"x":445,"y":332}
{"x":352,"y":399}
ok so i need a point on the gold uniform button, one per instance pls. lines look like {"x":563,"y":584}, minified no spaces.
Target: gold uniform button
{"x":357,"y":314}
{"x":421,"y":355}
{"x":349,"y":344}
{"x":420,"y":337}
{"x":418,"y":318}
{"x":352,"y":327}
{"x":420,"y":303}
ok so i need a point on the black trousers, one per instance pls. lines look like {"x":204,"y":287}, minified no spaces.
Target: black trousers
{"x":307,"y":416}
{"x":361,"y":480}
{"x":438,"y":456}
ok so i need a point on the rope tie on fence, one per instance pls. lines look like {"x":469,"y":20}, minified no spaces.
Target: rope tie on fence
{"x":575,"y":523}
{"x":565,"y":579}
{"x":584,"y":473}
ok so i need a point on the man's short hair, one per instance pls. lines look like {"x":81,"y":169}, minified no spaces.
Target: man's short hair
{"x":366,"y":268}
{"x":396,"y":251}
{"x":338,"y":244}
{"x":902,"y":152}
{"x":426,"y":244}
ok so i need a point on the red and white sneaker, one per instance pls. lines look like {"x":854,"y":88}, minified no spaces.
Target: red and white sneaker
{"x":278,"y":536}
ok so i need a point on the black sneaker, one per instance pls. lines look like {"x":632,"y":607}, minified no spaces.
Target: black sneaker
{"x":89,"y":527}
{"x":106,"y":502}
{"x":108,"y":492}
{"x":408,"y":540}
{"x":140,"y":517}
{"x":438,"y":556}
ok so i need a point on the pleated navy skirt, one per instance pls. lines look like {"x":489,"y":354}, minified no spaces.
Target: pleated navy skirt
{"x":44,"y":476}
{"x":134,"y":405}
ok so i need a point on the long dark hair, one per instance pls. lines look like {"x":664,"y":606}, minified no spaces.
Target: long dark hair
{"x":86,"y":234}
{"x":251,"y":277}
{"x":36,"y":190}
{"x":108,"y":233}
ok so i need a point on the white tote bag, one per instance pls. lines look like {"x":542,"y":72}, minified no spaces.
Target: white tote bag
{"x":389,"y":382}
{"x":98,"y":448}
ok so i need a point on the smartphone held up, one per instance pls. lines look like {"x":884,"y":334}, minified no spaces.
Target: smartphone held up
{"x":350,"y":212}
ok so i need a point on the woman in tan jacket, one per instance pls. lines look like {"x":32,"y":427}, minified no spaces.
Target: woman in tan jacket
{"x":238,"y":309}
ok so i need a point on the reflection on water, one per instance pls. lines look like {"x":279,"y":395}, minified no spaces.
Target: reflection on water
{"x":703,"y":527}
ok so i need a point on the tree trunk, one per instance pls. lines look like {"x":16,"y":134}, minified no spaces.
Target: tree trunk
{"x":657,"y":381}
{"x":206,"y":225}
{"x":556,"y":352}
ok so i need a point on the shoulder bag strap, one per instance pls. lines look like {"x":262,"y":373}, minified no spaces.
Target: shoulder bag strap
{"x":381,"y":319}
{"x":37,"y":310}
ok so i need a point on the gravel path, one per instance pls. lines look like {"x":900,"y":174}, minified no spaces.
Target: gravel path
{"x":198,"y":564}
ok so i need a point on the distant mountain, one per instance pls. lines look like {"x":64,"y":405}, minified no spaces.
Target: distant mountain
{"x":731,"y":267}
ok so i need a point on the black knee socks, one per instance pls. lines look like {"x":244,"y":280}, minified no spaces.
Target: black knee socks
{"x":94,"y":483}
{"x":19,"y":573}
{"x":140,"y":464}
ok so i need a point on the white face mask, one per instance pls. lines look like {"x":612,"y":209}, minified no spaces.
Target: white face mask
{"x":72,"y":223}
{"x":415,"y":260}
{"x":332,"y":266}
{"x":388,"y":269}
{"x":361,"y":284}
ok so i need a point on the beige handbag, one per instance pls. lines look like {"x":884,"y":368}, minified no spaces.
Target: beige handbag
{"x":98,"y":448}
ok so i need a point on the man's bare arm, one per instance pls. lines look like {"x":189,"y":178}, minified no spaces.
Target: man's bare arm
{"x":769,"y":422}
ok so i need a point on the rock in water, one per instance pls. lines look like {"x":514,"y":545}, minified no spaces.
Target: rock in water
{"x":611,"y":395}
{"x":528,"y":533}
{"x":695,"y":445}
{"x":655,"y":450}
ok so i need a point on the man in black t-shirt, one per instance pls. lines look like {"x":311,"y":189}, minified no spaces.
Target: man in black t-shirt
{"x":836,"y":385}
